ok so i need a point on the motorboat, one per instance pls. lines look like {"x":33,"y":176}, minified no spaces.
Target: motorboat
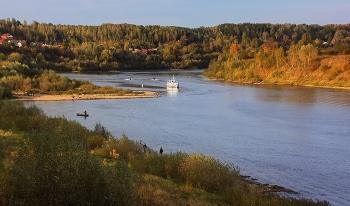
{"x":172,"y":83}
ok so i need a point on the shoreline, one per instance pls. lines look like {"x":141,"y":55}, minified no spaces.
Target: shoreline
{"x":280,"y":84}
{"x":266,"y":188}
{"x":297,"y":85}
{"x":66,"y":97}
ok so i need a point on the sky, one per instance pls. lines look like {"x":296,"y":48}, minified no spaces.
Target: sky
{"x":182,"y":13}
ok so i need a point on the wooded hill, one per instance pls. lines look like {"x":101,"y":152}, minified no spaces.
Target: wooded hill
{"x":302,"y":64}
{"x":269,"y":53}
{"x":119,"y":46}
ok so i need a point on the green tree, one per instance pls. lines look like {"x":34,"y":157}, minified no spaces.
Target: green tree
{"x":293,"y":56}
{"x":339,"y":36}
{"x":280,"y":57}
{"x":305,"y":39}
{"x":40,"y":57}
{"x":106,"y":55}
{"x":15,"y":57}
{"x":307,"y":53}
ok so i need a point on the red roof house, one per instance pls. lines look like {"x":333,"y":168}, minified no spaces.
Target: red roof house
{"x":7,"y":36}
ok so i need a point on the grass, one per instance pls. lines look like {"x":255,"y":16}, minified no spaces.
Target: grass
{"x":155,"y":190}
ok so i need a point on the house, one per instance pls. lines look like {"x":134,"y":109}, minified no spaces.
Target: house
{"x":152,"y":51}
{"x":144,"y":51}
{"x":7,"y":36}
{"x":136,"y":51}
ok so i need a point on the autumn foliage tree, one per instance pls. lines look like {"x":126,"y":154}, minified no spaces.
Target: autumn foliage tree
{"x":307,"y":53}
{"x":233,"y":49}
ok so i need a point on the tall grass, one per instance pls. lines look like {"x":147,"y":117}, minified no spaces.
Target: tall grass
{"x":52,"y":165}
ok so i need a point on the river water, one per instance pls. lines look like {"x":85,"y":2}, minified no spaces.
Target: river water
{"x":295,"y":137}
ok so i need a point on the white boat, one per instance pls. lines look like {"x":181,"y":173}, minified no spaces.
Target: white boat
{"x":172,"y":83}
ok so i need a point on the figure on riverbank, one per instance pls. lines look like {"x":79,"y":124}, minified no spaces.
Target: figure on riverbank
{"x":161,"y":150}
{"x":144,"y":148}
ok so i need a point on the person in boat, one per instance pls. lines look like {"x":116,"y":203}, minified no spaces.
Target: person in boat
{"x":161,"y":150}
{"x":85,"y":113}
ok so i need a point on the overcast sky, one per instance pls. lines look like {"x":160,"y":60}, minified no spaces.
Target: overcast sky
{"x":183,"y":13}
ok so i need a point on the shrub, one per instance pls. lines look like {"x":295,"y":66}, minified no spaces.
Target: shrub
{"x":102,"y":131}
{"x":125,"y":148}
{"x":208,"y":173}
{"x":120,"y":189}
{"x":151,"y":163}
{"x":55,"y":168}
{"x":95,"y":142}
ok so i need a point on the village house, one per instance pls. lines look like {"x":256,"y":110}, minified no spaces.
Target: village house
{"x":144,"y":51}
{"x":7,"y":36}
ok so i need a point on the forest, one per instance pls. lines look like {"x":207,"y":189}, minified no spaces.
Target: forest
{"x":248,"y":52}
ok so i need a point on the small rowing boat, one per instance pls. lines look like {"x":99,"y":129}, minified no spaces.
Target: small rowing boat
{"x":83,"y":114}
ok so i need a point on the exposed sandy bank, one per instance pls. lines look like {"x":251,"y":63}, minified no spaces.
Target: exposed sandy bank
{"x":64,"y":97}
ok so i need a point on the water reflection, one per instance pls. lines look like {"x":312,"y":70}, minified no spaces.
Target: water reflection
{"x":287,"y":95}
{"x":172,"y":91}
{"x":302,"y":95}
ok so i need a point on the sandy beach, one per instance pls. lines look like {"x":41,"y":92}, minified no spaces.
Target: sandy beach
{"x":64,"y":97}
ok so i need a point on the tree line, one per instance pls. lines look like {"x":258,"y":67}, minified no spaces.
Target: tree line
{"x":237,"y":52}
{"x":110,"y":46}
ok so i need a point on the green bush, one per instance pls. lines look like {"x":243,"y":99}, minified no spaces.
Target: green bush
{"x":124,"y":148}
{"x":151,"y":163}
{"x":53,"y":166}
{"x":95,"y":142}
{"x":52,"y":169}
{"x":120,"y":188}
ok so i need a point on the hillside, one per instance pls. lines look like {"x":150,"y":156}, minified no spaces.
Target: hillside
{"x":127,"y":46}
{"x":260,"y":53}
{"x":300,"y":65}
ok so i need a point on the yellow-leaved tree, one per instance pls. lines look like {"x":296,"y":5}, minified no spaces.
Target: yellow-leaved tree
{"x":307,"y":53}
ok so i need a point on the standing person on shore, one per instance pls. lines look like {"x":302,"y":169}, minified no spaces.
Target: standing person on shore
{"x":161,"y":150}
{"x":144,"y":148}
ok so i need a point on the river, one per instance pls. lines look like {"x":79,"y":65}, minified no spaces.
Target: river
{"x":295,"y":137}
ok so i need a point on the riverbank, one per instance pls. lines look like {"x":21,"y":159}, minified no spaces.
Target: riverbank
{"x":65,"y":97}
{"x":266,"y":188}
{"x":281,"y":84}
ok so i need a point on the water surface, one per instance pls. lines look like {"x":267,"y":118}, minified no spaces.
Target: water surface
{"x":296,"y":137}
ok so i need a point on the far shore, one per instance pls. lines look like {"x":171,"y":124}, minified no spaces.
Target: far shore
{"x":298,"y":85}
{"x":65,"y":97}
